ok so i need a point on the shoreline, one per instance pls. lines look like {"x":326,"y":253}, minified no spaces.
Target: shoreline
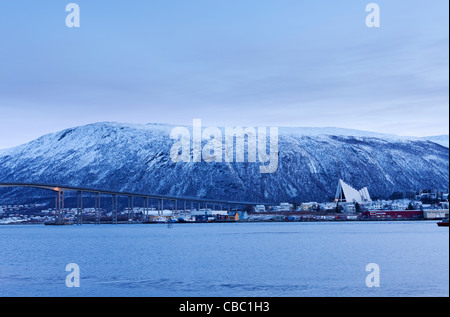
{"x":220,"y":221}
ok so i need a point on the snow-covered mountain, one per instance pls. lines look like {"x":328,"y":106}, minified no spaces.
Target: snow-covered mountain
{"x":132,"y":157}
{"x":439,"y":139}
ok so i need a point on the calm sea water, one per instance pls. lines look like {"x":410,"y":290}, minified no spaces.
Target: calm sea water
{"x":239,"y":259}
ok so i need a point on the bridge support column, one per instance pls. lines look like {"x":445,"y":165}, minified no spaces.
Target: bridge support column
{"x":80,"y":208}
{"x":114,"y":209}
{"x":56,"y":205}
{"x":59,"y":206}
{"x":97,"y":208}
{"x":62,"y":205}
{"x":132,"y":209}
{"x":128,"y":209}
{"x":147,"y":208}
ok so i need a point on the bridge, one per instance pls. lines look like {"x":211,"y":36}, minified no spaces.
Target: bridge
{"x":59,"y":191}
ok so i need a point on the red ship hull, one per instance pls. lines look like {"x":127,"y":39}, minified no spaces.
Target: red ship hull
{"x":443,"y":223}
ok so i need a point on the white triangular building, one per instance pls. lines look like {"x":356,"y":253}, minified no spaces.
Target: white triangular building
{"x":346,"y":193}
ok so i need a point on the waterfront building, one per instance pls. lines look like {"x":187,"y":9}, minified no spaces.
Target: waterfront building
{"x":260,"y":208}
{"x":435,"y":213}
{"x":311,"y":206}
{"x":392,"y":215}
{"x":285,"y":207}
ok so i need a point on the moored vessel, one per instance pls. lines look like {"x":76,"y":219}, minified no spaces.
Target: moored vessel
{"x":443,"y":223}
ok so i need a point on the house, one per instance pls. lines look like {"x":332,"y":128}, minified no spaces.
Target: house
{"x":238,"y":216}
{"x":349,"y":208}
{"x":311,"y":206}
{"x":260,"y":208}
{"x":285,"y":207}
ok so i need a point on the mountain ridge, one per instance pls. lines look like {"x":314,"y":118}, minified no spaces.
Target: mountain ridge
{"x":133,"y":157}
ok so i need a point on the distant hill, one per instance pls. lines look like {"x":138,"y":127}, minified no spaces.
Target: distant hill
{"x":439,"y":139}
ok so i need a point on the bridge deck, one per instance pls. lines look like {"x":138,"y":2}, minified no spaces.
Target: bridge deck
{"x":64,"y":188}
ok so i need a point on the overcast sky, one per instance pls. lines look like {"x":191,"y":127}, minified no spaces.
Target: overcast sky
{"x":227,"y":62}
